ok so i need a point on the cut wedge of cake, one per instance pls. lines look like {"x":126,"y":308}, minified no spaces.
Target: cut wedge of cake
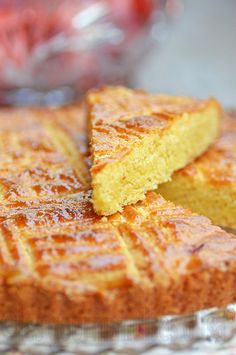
{"x":138,"y":140}
{"x":208,"y":185}
{"x":62,"y":263}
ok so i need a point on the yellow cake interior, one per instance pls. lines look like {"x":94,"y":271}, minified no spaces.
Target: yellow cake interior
{"x":153,"y":160}
{"x":208,"y":185}
{"x":219,"y":204}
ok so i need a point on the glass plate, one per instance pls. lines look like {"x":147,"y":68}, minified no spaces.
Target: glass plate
{"x":211,"y":328}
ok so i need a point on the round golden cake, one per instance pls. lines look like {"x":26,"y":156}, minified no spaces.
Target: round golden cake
{"x":62,"y":263}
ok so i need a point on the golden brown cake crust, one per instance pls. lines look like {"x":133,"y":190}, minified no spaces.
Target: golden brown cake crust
{"x":218,"y":165}
{"x":118,"y":117}
{"x":61,"y":263}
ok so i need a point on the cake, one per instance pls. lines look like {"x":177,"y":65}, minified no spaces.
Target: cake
{"x":138,"y":140}
{"x":61,"y":263}
{"x":208,"y":185}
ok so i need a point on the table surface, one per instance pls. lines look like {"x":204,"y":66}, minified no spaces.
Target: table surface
{"x":199,"y":56}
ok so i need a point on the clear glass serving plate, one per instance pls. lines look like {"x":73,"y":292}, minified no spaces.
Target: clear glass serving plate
{"x":213,"y":328}
{"x":206,"y":329}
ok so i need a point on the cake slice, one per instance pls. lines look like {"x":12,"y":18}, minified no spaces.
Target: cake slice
{"x":62,"y":263}
{"x":208,"y":186}
{"x":138,"y":140}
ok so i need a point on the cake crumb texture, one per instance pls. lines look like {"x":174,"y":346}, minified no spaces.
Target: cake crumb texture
{"x":208,"y":185}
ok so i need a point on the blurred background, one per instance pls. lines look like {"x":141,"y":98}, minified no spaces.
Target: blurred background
{"x":51,"y":52}
{"x":199,"y":56}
